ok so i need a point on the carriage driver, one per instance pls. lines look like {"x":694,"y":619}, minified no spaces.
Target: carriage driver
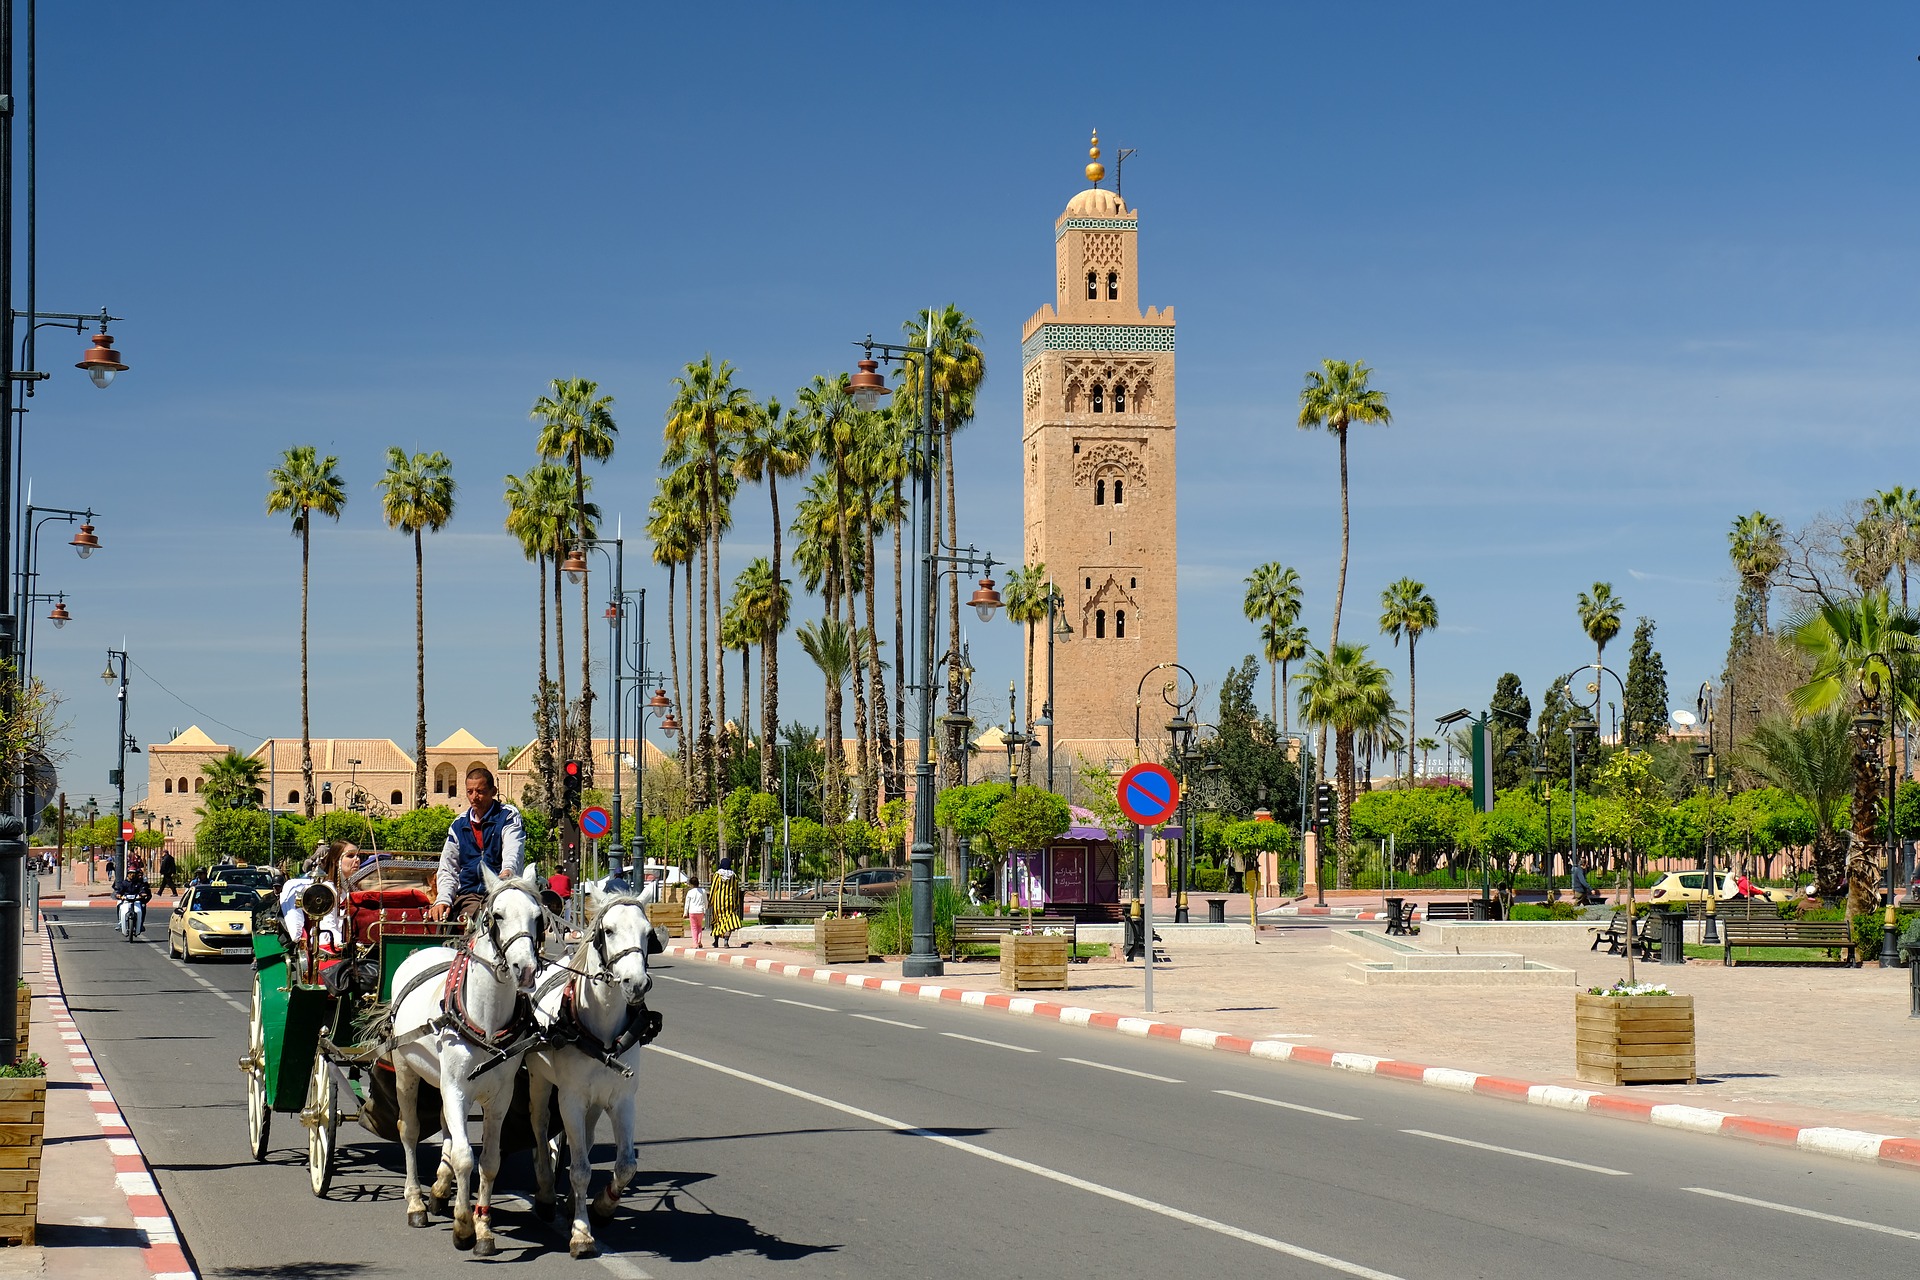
{"x":488,"y":831}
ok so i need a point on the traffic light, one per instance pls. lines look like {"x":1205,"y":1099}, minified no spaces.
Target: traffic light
{"x":326,"y":793}
{"x":570,"y":816}
{"x":570,"y":787}
{"x":1323,"y":798}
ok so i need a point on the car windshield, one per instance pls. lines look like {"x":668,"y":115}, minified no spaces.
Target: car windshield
{"x":219,"y":899}
{"x":245,"y":875}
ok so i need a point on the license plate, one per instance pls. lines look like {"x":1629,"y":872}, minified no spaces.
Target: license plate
{"x":247,"y":950}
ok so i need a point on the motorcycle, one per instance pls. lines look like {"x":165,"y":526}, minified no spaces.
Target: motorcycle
{"x":133,"y":917}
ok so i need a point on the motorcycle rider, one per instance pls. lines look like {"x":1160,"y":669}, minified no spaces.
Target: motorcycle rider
{"x":134,"y":893}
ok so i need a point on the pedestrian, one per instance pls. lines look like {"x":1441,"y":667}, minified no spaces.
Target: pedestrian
{"x":169,"y":873}
{"x":488,"y":834}
{"x":727,"y":900}
{"x":696,"y":908}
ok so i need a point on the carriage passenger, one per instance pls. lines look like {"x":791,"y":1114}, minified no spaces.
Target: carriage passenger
{"x":488,"y":834}
{"x":334,"y":863}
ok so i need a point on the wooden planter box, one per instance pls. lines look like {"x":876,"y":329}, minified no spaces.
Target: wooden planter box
{"x":1633,"y":1039}
{"x":670,"y":916}
{"x":840,"y":940}
{"x":23,"y":1126}
{"x":1033,"y":961}
{"x":23,"y":1020}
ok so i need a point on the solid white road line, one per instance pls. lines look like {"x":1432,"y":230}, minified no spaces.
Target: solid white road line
{"x":1805,"y":1213}
{"x":735,"y":991}
{"x":685,"y":982}
{"x":1291,"y":1106}
{"x":182,"y":966}
{"x":955,"y":1035}
{"x":1125,"y":1071}
{"x":1053,"y":1175}
{"x":624,"y":1268}
{"x":1524,"y":1155}
{"x":802,"y":1004}
{"x":868,"y":1017}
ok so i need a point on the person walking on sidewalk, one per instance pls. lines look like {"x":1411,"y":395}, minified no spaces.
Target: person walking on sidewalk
{"x":169,"y":873}
{"x":728,"y":900}
{"x":696,"y":908}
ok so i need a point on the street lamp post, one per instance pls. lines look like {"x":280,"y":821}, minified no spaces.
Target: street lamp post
{"x":1171,"y":693}
{"x":959,"y":741}
{"x":120,"y":773}
{"x":1057,"y":627}
{"x":867,"y":387}
{"x":1576,"y":878}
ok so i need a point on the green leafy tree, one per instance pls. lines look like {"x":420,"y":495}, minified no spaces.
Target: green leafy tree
{"x":772,"y":448}
{"x":1509,"y":714}
{"x":1635,"y":817}
{"x":305,"y":485}
{"x":421,"y":830}
{"x":418,"y":499}
{"x":1253,"y":761}
{"x":1348,"y":693}
{"x":1029,"y":820}
{"x":1407,"y":610}
{"x":1812,"y":760}
{"x":1645,"y":714}
{"x":234,"y":781}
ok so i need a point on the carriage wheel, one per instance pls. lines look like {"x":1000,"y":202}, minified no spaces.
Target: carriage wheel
{"x":321,"y":1115}
{"x":259,"y":1114}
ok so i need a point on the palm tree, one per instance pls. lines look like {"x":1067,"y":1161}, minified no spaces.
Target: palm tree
{"x":418,"y":499}
{"x":233,"y":781}
{"x":576,"y":423}
{"x":1273,"y":602}
{"x":771,"y":448}
{"x":304,"y":485}
{"x":1756,"y":545}
{"x":1343,"y":690}
{"x":528,"y":524}
{"x":869,"y":466}
{"x":1407,"y":610}
{"x":738,"y":635}
{"x":829,"y":643}
{"x":1027,"y":594}
{"x":551,"y":513}
{"x":765,"y":603}
{"x":1426,"y":747}
{"x":1866,"y":656}
{"x":670,"y":528}
{"x":1900,"y":508}
{"x":1600,"y":619}
{"x":834,"y":426}
{"x":1283,"y":645}
{"x":1336,"y":396}
{"x":1813,"y":760}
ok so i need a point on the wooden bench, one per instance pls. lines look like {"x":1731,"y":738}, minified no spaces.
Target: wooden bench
{"x":988,"y":931}
{"x":1435,"y":911}
{"x":793,"y":910}
{"x":1092,"y":912}
{"x":1833,"y":935}
{"x":1735,"y":909}
{"x":1647,"y":937}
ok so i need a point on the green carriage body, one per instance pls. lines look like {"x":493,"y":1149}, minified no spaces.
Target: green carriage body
{"x":292,"y":1016}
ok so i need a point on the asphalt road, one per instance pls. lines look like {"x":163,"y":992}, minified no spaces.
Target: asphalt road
{"x":795,"y":1129}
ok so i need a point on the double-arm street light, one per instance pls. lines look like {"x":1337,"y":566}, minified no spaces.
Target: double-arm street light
{"x":1707,"y":702}
{"x":1058,"y":628}
{"x":867,"y":388}
{"x":959,"y":742}
{"x":126,"y":744}
{"x":1194,"y":761}
{"x":1875,"y":753}
{"x":1179,"y":699}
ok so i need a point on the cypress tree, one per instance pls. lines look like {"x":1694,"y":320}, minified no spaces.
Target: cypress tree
{"x":1645,"y":715}
{"x":1512,"y":743}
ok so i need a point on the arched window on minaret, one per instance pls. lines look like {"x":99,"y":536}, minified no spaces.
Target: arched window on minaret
{"x":1113,"y":286}
{"x":1099,"y":493}
{"x":1116,"y":490}
{"x":1100,"y":624}
{"x":1120,"y":624}
{"x":1119,"y":397}
{"x":1099,"y":398}
{"x":1093,"y":286}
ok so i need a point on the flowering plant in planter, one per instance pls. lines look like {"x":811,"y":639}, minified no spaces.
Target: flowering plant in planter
{"x":1632,"y":989}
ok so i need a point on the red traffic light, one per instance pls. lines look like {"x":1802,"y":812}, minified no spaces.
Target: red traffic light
{"x":573,"y":768}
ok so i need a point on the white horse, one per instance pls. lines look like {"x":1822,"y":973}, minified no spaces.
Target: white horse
{"x":596,"y":1023}
{"x":463,"y":1024}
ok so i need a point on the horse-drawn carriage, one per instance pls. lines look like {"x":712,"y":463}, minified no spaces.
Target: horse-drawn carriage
{"x":513,"y":1014}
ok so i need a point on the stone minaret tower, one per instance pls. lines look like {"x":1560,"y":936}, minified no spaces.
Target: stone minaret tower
{"x":1097,"y":429}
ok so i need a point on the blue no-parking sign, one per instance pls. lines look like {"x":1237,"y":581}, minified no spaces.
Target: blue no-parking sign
{"x":595,"y":822}
{"x":1148,"y":794}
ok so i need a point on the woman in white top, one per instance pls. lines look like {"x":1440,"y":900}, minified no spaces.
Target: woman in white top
{"x":696,"y":908}
{"x":337,"y":863}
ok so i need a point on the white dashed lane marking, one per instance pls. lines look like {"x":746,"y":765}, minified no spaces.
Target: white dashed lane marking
{"x":1125,"y":1071}
{"x":1291,"y":1106}
{"x":1524,"y":1155}
{"x":955,"y":1035}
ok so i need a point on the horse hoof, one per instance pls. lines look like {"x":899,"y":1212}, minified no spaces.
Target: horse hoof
{"x":543,"y":1210}
{"x":583,"y":1249}
{"x":484,"y":1247}
{"x":601,"y":1211}
{"x":418,"y":1218}
{"x":442,"y":1205}
{"x":463,"y":1243}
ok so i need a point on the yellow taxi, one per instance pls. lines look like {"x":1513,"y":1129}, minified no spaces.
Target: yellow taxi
{"x":1691,"y":886}
{"x":212,"y":920}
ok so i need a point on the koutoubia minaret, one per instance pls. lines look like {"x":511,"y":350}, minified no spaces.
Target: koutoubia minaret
{"x":1097,"y":400}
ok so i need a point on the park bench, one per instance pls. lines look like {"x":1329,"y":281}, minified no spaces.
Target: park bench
{"x":793,"y":911}
{"x":1461,"y":910}
{"x":990,"y":931}
{"x":1091,"y":912}
{"x":1833,"y":935}
{"x":1735,"y":909}
{"x":1647,"y":937}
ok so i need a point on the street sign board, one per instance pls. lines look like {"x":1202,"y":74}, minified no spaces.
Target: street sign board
{"x":595,"y":822}
{"x":1148,"y":794}
{"x":126,"y":830}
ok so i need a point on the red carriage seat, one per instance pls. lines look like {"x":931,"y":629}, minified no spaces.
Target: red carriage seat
{"x":404,"y":909}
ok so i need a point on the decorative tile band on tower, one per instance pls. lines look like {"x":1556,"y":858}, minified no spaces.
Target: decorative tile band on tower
{"x":1096,"y":337}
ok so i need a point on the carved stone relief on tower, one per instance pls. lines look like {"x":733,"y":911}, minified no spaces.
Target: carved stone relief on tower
{"x":1097,"y":458}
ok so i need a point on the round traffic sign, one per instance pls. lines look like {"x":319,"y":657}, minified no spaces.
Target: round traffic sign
{"x":1148,"y":794}
{"x":126,"y":830}
{"x":595,"y":822}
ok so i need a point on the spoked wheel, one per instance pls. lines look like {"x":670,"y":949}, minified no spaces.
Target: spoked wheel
{"x":259,"y":1114}
{"x":321,"y":1115}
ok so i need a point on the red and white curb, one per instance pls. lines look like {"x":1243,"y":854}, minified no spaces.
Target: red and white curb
{"x":1848,"y":1144}
{"x":164,"y":1257}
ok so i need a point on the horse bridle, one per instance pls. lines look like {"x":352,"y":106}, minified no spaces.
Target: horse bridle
{"x":600,"y":939}
{"x":487,"y":921}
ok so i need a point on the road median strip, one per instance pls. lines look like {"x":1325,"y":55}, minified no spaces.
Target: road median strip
{"x":1848,"y":1144}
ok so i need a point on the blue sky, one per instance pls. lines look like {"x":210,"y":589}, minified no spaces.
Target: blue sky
{"x":1626,"y":271}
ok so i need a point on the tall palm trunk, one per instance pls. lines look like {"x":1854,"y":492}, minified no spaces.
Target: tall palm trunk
{"x":673,"y":665}
{"x":1030,"y":744}
{"x":689,"y":722}
{"x":1862,"y":880}
{"x":836,"y":753}
{"x":723,"y":750}
{"x":843,"y":540}
{"x":586,"y":629}
{"x":951,"y":538}
{"x":770,"y":651}
{"x":1339,"y":586}
{"x":1412,"y":691}
{"x":306,"y":724}
{"x":704,"y":767}
{"x":877,"y":676}
{"x":1343,"y":826}
{"x":543,"y":703}
{"x":1285,"y":712}
{"x":561,"y":728}
{"x":899,"y":649}
{"x":419,"y":674}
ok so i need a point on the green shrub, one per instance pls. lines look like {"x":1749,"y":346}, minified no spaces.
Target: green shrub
{"x":1870,"y":927}
{"x":31,"y":1067}
{"x":1546,"y":911}
{"x":890,"y":930}
{"x":1209,"y":879}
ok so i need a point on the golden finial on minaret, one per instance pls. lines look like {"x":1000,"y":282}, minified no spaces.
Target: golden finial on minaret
{"x":1095,"y":170}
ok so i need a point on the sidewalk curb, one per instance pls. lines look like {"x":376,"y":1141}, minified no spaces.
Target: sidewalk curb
{"x":163,"y":1254}
{"x":1848,"y":1144}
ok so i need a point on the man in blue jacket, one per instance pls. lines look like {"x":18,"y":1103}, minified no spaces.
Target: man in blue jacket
{"x":488,"y":833}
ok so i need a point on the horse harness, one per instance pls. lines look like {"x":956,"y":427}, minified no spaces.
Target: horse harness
{"x":642,"y":1026}
{"x":521,"y":1031}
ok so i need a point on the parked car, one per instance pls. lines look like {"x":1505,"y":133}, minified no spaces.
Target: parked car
{"x":1691,"y":886}
{"x":259,"y":879}
{"x":877,"y":883}
{"x":213,"y":920}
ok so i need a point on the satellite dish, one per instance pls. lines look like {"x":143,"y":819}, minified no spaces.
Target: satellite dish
{"x":1684,"y":718}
